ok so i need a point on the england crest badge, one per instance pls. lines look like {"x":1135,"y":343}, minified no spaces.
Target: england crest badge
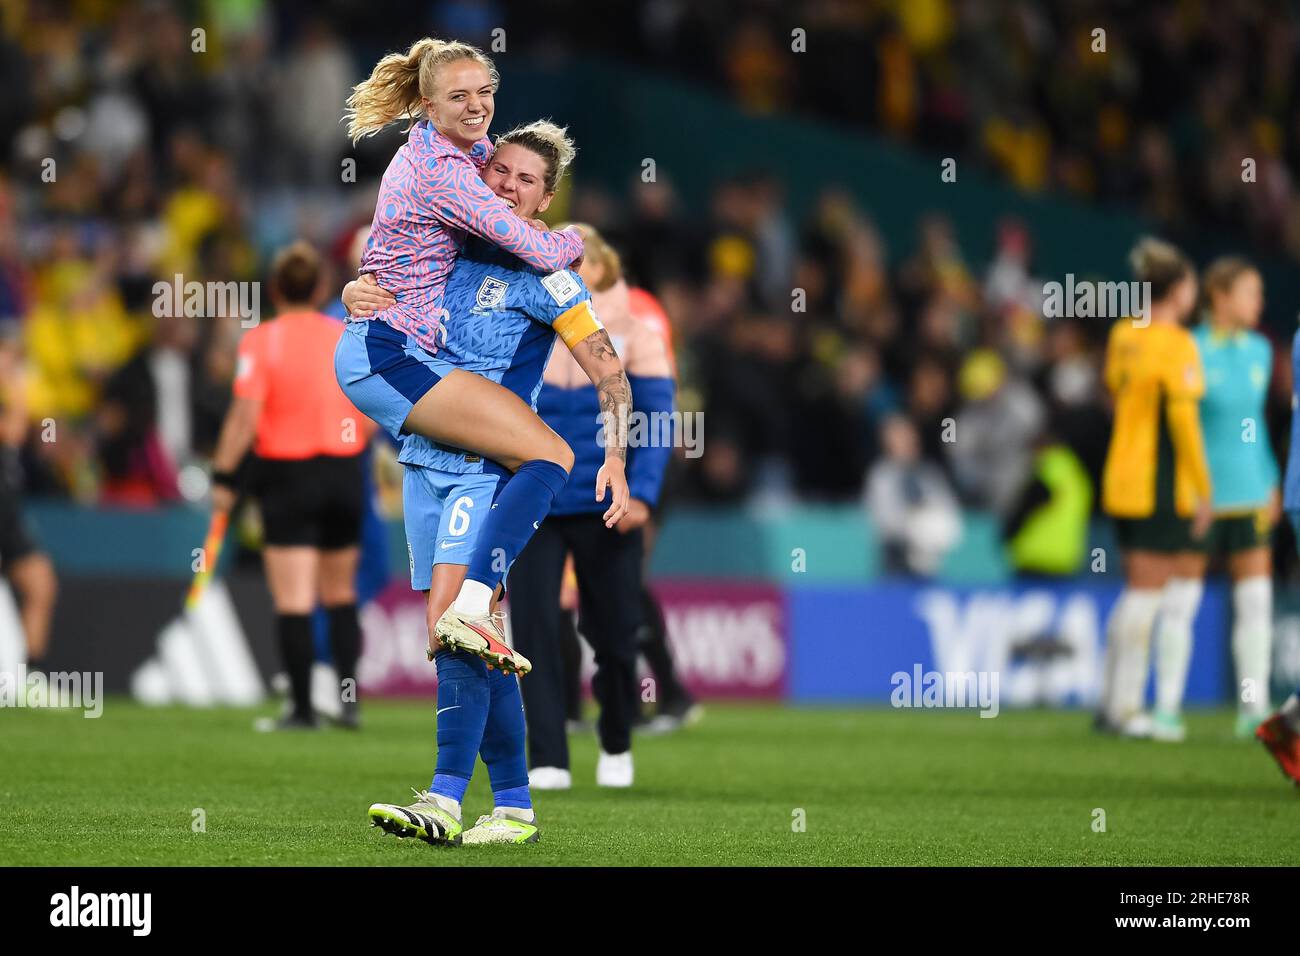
{"x":491,"y":292}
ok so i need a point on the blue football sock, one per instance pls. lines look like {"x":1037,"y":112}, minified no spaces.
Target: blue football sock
{"x":463,"y":698}
{"x":449,"y":785}
{"x":513,"y":797}
{"x":522,"y":504}
{"x":503,"y":743}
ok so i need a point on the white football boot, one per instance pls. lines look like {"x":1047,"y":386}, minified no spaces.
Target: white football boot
{"x":549,"y":778}
{"x":614,"y":770}
{"x":503,"y":825}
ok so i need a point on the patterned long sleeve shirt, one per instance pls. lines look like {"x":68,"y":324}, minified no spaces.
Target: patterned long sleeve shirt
{"x":431,"y":198}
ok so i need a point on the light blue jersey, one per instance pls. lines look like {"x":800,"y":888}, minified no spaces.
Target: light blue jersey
{"x":503,"y":318}
{"x":1238,"y":367}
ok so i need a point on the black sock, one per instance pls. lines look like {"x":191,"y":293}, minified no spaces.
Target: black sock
{"x":296,"y":652}
{"x":345,"y":645}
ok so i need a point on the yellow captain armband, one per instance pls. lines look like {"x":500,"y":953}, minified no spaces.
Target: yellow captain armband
{"x":577,"y":323}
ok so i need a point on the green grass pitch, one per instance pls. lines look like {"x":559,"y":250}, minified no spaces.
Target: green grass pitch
{"x":876,"y":786}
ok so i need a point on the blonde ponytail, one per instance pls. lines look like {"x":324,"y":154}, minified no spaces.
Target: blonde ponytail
{"x":398,"y":82}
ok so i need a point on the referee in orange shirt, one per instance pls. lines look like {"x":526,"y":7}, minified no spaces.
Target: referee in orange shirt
{"x":307,"y":440}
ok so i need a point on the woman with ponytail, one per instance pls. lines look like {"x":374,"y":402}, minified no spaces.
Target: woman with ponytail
{"x":1156,"y":483}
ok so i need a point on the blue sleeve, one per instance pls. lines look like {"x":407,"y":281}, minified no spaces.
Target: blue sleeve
{"x":1268,"y":465}
{"x":1291,"y":480}
{"x":1295,"y":365}
{"x":547,"y":297}
{"x":652,"y":399}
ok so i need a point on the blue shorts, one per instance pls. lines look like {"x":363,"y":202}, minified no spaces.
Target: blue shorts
{"x":384,"y":372}
{"x":444,"y":513}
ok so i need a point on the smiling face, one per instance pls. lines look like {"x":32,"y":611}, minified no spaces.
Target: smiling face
{"x":462,"y":105}
{"x":518,"y":175}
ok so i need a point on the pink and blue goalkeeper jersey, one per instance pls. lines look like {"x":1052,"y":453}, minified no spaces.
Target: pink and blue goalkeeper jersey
{"x":430,"y":199}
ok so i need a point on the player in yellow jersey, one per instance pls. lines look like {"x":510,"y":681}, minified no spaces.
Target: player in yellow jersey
{"x":1156,"y":483}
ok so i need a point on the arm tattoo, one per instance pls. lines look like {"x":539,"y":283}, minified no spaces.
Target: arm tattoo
{"x":615,"y":402}
{"x":602,"y":349}
{"x":614,"y":392}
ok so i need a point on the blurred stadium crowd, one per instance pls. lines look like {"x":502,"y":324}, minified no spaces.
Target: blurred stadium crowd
{"x":167,"y":163}
{"x":1159,"y":123}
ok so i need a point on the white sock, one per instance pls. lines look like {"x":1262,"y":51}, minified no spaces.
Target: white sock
{"x":1128,"y":643}
{"x":518,"y":813}
{"x":1179,"y":602}
{"x":1291,"y":712}
{"x":1252,"y":639}
{"x":475,"y":598}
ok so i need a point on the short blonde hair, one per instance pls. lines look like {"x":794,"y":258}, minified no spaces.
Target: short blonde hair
{"x":548,"y":141}
{"x":398,"y":81}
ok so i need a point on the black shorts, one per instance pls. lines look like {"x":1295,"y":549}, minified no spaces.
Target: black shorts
{"x":1232,"y":534}
{"x":16,"y":541}
{"x":316,"y":502}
